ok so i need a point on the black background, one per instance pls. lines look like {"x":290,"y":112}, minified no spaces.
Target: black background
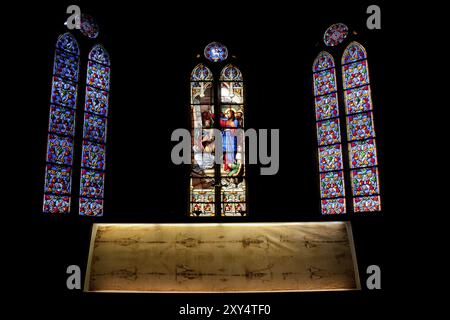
{"x":153,"y":50}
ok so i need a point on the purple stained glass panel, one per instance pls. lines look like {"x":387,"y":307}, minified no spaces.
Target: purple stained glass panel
{"x":335,"y":34}
{"x":358,"y":100}
{"x":327,"y":106}
{"x":88,"y":26}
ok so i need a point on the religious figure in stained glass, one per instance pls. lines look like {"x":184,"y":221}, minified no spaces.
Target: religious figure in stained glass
{"x":217,"y":189}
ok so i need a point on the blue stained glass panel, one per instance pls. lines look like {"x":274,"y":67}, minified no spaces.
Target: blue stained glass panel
{"x":92,"y":183}
{"x":64,"y":93}
{"x":328,"y":132}
{"x":68,"y":43}
{"x":93,"y":155}
{"x":59,"y":149}
{"x":360,"y":126}
{"x":62,"y":120}
{"x":94,"y":127}
{"x":363,"y":153}
{"x":57,"y":179}
{"x":215,"y":52}
{"x":358,"y":100}
{"x":96,"y":101}
{"x":99,"y":54}
{"x":66,"y":65}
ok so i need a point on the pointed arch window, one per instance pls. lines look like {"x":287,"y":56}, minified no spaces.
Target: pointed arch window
{"x":61,"y":129}
{"x":232,"y":171}
{"x":362,"y":148}
{"x":93,"y":156}
{"x":332,"y":187}
{"x":217,"y":107}
{"x":202,"y":184}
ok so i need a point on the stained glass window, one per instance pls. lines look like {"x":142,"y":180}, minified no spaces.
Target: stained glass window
{"x":203,"y":179}
{"x":93,"y":157}
{"x":332,"y":187}
{"x":217,"y":189}
{"x":335,"y":34}
{"x":360,"y":130}
{"x":61,"y":129}
{"x":216,"y":52}
{"x":232,"y":171}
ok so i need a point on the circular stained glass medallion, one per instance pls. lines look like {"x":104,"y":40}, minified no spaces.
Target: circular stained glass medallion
{"x":89,"y":27}
{"x":335,"y":34}
{"x":215,"y":52}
